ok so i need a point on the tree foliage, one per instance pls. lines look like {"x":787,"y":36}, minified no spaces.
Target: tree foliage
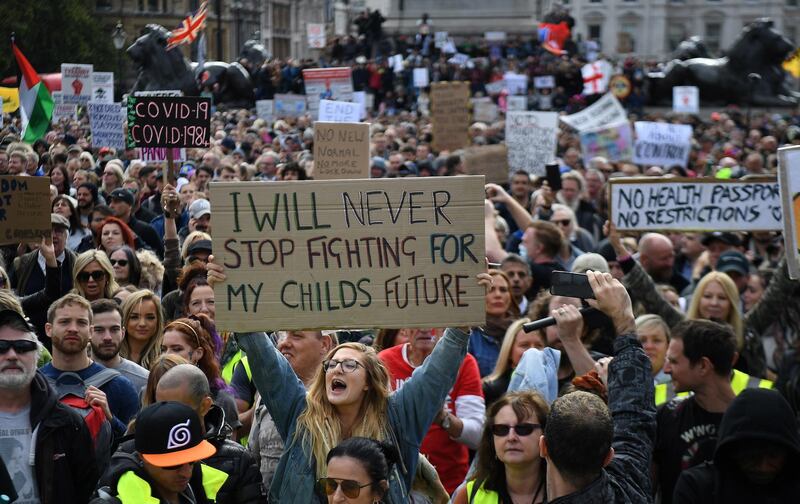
{"x":52,"y":32}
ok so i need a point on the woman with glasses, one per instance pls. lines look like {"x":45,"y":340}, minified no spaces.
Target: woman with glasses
{"x":112,"y":178}
{"x":509,"y":467}
{"x":144,"y":328}
{"x":114,"y":233}
{"x":93,"y":275}
{"x":348,"y":397}
{"x":358,"y":471}
{"x":127,"y":269}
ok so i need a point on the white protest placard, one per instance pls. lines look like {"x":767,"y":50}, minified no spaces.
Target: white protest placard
{"x":517,"y":84}
{"x":531,"y":140}
{"x":265,"y":109}
{"x":76,"y":83}
{"x":517,"y":103}
{"x":421,"y":77}
{"x":341,"y":150}
{"x":662,"y":144}
{"x":338,"y":111}
{"x":350,"y":253}
{"x":360,"y":97}
{"x":289,"y":105}
{"x":159,"y":154}
{"x":606,"y":110}
{"x":544,"y":82}
{"x":397,"y":63}
{"x":160,"y":92}
{"x":695,"y":204}
{"x":613,"y":142}
{"x":103,"y":87}
{"x":495,"y":36}
{"x":62,"y":110}
{"x":495,"y":87}
{"x":106,"y":120}
{"x":327,"y":84}
{"x":686,"y":99}
{"x":484,"y":110}
{"x":440,"y":39}
{"x":459,"y":59}
{"x":316,"y":35}
{"x":789,"y":179}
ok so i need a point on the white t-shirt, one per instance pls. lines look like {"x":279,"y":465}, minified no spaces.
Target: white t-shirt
{"x":15,"y":449}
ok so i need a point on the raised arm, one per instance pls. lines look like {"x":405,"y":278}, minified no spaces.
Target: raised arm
{"x":170,"y":202}
{"x":780,"y":303}
{"x":521,"y":216}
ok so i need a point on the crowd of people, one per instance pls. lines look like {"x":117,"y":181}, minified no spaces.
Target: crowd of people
{"x":117,"y":386}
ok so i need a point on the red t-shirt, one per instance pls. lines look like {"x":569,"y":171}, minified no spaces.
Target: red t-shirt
{"x":450,"y":457}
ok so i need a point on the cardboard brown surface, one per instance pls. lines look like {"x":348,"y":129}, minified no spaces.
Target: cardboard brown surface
{"x":488,"y":160}
{"x":25,"y":209}
{"x":415,"y":246}
{"x":341,"y":150}
{"x":450,"y":115}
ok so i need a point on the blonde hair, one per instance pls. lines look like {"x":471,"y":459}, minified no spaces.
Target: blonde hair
{"x":117,"y":174}
{"x":152,"y":349}
{"x":319,"y":427}
{"x":152,"y":270}
{"x":101,"y":259}
{"x":504,"y":357}
{"x":734,"y":318}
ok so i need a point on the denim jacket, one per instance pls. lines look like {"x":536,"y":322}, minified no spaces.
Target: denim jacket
{"x":411,"y":411}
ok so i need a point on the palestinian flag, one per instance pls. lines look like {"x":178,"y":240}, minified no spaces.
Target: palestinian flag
{"x":36,"y":104}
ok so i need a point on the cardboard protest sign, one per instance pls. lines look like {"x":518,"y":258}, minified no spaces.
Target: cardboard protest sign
{"x":789,"y":178}
{"x":341,"y":150}
{"x":316,"y":35}
{"x":488,"y":160}
{"x":531,"y":140}
{"x":686,"y":99}
{"x":62,"y":110}
{"x":350,"y":254}
{"x":289,"y":105}
{"x":25,"y":212}
{"x":265,"y":109}
{"x":421,"y":77}
{"x":327,"y":84}
{"x":103,"y":87}
{"x":614,"y":142}
{"x":338,"y":111}
{"x":544,"y":82}
{"x":692,"y":204}
{"x":484,"y":110}
{"x":606,"y":110}
{"x":450,"y":115}
{"x":169,"y":121}
{"x":662,"y":144}
{"x":159,"y":154}
{"x":517,"y":103}
{"x":106,"y":121}
{"x":76,"y":83}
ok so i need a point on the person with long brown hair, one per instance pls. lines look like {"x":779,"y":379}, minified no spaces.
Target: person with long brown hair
{"x":501,"y":311}
{"x":144,"y":328}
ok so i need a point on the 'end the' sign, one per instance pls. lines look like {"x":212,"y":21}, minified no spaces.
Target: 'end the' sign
{"x":168,"y":121}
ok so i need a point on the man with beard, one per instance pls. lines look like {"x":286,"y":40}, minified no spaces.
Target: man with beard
{"x":86,"y":195}
{"x":657,"y":257}
{"x":63,"y":467}
{"x":69,"y":324}
{"x":107,"y":335}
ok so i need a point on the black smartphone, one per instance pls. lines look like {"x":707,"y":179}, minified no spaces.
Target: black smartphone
{"x":553,"y":175}
{"x":576,"y":285}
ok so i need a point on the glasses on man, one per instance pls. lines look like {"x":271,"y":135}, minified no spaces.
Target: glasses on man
{"x":523,"y":429}
{"x":350,"y":488}
{"x":563,"y":222}
{"x":19,"y":346}
{"x":348,"y":365}
{"x":121,"y":262}
{"x":84,"y":276}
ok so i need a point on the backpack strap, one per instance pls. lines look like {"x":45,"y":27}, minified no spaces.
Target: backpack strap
{"x":101,"y":378}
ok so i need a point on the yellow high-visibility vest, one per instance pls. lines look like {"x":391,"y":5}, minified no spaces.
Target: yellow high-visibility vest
{"x":739,"y":381}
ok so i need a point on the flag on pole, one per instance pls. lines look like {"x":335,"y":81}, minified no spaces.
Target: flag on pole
{"x":201,"y":52}
{"x":36,"y":104}
{"x":190,"y":28}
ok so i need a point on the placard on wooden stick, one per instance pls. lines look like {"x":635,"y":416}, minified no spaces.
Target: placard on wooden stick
{"x":350,"y":254}
{"x":25,"y":212}
{"x":450,"y":115}
{"x":169,"y":121}
{"x":789,"y":176}
{"x":341,"y":150}
{"x":488,"y":160}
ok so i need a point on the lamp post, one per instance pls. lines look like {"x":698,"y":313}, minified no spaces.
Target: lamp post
{"x":119,"y":37}
{"x":237,"y":6}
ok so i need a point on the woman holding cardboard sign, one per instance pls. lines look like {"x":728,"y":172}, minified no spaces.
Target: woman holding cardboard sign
{"x":348,"y":397}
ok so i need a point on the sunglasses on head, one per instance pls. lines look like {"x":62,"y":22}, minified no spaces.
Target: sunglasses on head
{"x":523,"y":429}
{"x":121,"y":262}
{"x":19,"y":346}
{"x":176,"y":467}
{"x":84,"y":276}
{"x":350,"y":488}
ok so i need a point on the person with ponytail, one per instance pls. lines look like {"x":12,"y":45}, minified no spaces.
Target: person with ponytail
{"x":358,"y":471}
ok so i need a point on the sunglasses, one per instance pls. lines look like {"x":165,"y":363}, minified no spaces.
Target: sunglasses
{"x":176,"y":467}
{"x":84,"y":276}
{"x":348,"y":365}
{"x":523,"y":429}
{"x":563,"y":222}
{"x":350,"y":488}
{"x":121,"y":262}
{"x":19,"y":346}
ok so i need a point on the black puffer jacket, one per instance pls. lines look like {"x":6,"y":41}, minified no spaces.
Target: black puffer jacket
{"x":66,"y":471}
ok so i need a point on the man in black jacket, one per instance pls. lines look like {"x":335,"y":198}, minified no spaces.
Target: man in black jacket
{"x":63,"y":467}
{"x":756,"y":459}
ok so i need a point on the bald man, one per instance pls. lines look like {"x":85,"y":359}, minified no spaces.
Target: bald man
{"x":657,"y":257}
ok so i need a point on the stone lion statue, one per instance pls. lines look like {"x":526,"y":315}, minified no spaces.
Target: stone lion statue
{"x":159,"y":69}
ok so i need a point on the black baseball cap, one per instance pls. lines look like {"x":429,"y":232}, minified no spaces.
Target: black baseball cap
{"x":169,"y":434}
{"x":733,"y":261}
{"x":122,"y":194}
{"x":8,"y":316}
{"x":199,"y":245}
{"x":723,"y":236}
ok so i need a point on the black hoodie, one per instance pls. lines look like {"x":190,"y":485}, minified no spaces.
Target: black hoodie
{"x":755,"y":415}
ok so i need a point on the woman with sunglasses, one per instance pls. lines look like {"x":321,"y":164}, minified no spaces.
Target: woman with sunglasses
{"x":509,"y":466}
{"x":93,"y":275}
{"x":144,"y":328}
{"x":348,"y":397}
{"x":127,"y":269}
{"x":358,"y":471}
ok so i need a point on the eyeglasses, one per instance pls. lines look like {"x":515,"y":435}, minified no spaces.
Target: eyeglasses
{"x":121,"y":262}
{"x":84,"y":276}
{"x":523,"y":429}
{"x":19,"y":346}
{"x":176,"y":467}
{"x":563,"y":222}
{"x":348,"y":365}
{"x":350,"y":488}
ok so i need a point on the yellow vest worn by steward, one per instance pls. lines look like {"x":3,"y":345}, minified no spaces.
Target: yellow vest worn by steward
{"x":739,"y":381}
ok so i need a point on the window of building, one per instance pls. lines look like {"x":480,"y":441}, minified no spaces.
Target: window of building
{"x":280,"y":48}
{"x":676,"y":33}
{"x":595,"y":1}
{"x":791,"y":3}
{"x":712,"y":36}
{"x":281,"y":18}
{"x":103,"y":5}
{"x":595,"y":32}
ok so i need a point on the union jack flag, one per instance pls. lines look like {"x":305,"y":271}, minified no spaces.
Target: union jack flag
{"x":190,"y":28}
